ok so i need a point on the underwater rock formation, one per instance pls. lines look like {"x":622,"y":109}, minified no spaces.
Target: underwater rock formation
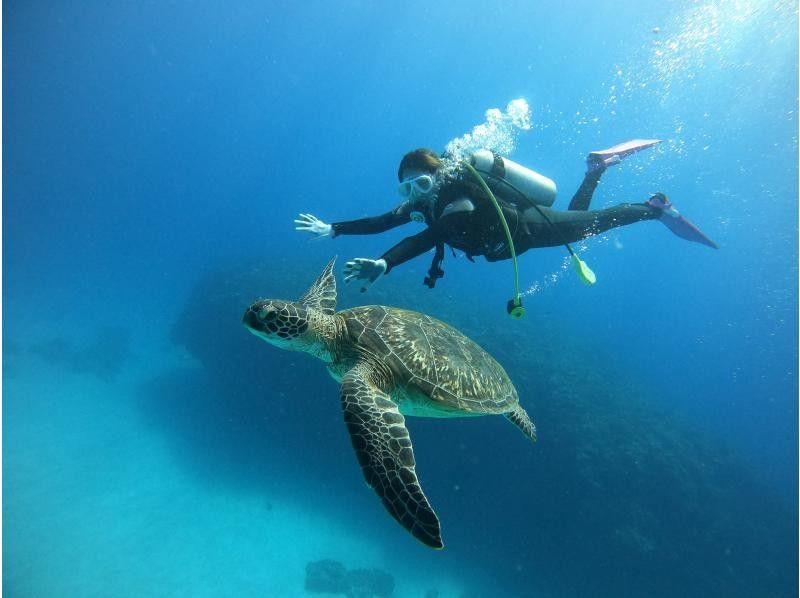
{"x":326,"y":577}
{"x":369,"y":583}
{"x":332,"y":577}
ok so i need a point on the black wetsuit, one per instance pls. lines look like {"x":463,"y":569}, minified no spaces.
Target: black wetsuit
{"x":464,"y":218}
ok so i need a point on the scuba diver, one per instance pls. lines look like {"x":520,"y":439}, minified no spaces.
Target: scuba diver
{"x":459,"y":207}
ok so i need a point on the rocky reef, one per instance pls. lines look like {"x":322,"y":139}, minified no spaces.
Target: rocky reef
{"x":332,"y":577}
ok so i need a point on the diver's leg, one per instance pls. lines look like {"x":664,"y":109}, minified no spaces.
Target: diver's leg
{"x":596,"y":164}
{"x":547,"y":227}
{"x":583,"y":196}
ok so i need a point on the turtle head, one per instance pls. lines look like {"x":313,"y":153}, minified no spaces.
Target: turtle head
{"x":280,"y":323}
{"x":304,"y":325}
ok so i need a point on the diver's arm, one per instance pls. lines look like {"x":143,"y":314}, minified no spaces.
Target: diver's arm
{"x":368,"y":271}
{"x":374,"y":224}
{"x":409,"y":248}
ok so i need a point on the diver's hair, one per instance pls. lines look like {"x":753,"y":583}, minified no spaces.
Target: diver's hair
{"x":419,"y":159}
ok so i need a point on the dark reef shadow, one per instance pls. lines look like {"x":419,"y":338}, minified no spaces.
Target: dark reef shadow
{"x":104,"y":356}
{"x":618,"y":497}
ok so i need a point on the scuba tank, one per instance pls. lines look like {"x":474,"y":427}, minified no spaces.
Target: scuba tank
{"x":536,"y":188}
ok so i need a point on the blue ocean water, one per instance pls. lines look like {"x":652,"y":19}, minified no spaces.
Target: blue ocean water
{"x":154,"y":157}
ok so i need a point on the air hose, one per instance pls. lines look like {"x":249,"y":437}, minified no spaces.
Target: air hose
{"x":514,"y":306}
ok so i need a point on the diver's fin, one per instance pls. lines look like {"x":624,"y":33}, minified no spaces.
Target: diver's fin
{"x":617,"y":153}
{"x":678,"y":224}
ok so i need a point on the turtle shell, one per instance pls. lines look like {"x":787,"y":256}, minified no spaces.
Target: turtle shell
{"x":437,"y":370}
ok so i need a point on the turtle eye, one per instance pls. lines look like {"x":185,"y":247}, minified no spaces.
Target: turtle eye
{"x":267,"y":314}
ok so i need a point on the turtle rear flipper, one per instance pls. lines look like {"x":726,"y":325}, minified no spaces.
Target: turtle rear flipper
{"x":519,"y":417}
{"x":383,"y":447}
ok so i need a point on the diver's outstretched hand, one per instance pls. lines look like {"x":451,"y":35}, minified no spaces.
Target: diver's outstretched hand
{"x":312,"y":224}
{"x":368,"y":271}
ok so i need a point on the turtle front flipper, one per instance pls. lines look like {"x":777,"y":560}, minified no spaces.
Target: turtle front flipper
{"x":383,"y":447}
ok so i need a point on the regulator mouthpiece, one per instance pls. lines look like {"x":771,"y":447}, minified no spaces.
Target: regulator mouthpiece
{"x":514,"y":308}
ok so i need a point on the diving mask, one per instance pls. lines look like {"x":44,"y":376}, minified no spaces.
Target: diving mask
{"x":414,"y":186}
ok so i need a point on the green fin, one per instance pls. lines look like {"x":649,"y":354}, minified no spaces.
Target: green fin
{"x":584,"y":271}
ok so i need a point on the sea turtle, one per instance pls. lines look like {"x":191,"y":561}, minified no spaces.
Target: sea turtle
{"x":390,"y":362}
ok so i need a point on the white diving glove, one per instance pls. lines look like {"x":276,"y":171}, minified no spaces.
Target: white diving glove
{"x":365,"y":270}
{"x":312,"y":224}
